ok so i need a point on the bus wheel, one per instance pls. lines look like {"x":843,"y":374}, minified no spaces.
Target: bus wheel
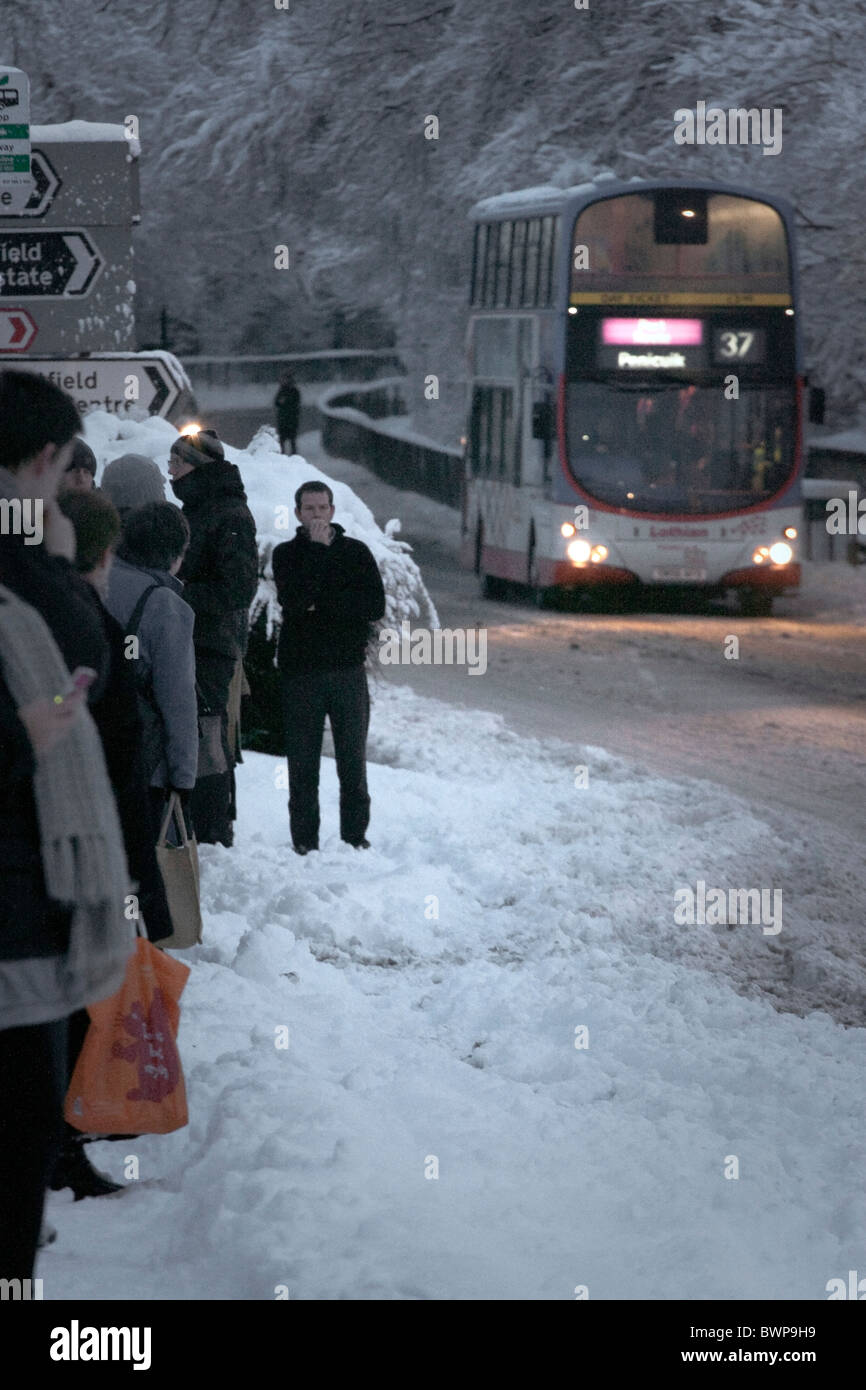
{"x":490,"y":585}
{"x":755,"y":603}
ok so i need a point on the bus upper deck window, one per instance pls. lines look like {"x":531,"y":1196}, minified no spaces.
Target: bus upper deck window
{"x":681,"y":217}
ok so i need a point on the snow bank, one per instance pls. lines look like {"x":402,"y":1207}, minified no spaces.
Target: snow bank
{"x":432,"y":1131}
{"x":270,"y":480}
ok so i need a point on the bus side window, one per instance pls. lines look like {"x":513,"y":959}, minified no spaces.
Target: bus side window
{"x":518,"y":257}
{"x":532,"y":262}
{"x":476,"y":433}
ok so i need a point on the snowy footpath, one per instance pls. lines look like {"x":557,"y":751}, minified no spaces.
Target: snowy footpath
{"x":495,"y":1087}
{"x":481,"y":1060}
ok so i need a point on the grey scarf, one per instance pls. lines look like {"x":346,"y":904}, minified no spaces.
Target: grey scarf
{"x":83,"y":858}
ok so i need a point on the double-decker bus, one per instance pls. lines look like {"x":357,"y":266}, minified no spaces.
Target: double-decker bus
{"x":635,"y":390}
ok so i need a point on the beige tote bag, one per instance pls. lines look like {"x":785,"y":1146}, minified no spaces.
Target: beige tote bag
{"x":179,"y":868}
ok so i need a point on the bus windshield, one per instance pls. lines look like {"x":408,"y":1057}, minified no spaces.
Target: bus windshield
{"x":671,"y":448}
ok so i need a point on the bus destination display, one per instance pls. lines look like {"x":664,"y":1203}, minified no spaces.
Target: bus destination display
{"x":677,"y":344}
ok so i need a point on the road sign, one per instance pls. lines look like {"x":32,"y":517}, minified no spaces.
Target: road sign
{"x":14,"y":128}
{"x":36,"y":200}
{"x":47,"y":265}
{"x":17,"y":330}
{"x":123,"y":384}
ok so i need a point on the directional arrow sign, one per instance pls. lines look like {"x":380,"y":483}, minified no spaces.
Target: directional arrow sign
{"x":35,"y":202}
{"x":116,"y":383}
{"x":17,"y":330}
{"x":47,"y":265}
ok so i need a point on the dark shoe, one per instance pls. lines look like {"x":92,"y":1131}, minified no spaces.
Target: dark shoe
{"x":305,"y":849}
{"x":74,"y":1169}
{"x":359,"y":844}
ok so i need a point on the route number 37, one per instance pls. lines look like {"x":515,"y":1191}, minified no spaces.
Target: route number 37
{"x":735,"y":344}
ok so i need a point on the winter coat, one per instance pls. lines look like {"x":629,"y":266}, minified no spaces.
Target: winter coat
{"x":342,"y":584}
{"x":287,"y":404}
{"x":51,"y":585}
{"x":164,"y":671}
{"x":221,"y":569}
{"x":116,"y":716}
{"x":31,"y":923}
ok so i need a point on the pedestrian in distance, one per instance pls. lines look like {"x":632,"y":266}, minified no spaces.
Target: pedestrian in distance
{"x":330,"y":592}
{"x":287,"y":404}
{"x":220,"y":574}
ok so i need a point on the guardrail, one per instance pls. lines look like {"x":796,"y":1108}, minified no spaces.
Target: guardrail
{"x":341,"y":364}
{"x":399,"y":457}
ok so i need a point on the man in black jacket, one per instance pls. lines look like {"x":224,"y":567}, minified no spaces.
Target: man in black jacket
{"x":220,"y":575}
{"x":330,"y":591}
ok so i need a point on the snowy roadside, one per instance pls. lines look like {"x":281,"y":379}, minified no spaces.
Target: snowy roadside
{"x":416,"y":1036}
{"x":270,"y":480}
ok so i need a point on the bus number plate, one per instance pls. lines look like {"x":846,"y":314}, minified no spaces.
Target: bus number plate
{"x":688,"y":574}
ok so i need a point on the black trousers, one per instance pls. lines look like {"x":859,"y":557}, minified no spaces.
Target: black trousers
{"x":289,"y":437}
{"x":33,"y":1083}
{"x":342,"y":696}
{"x":212,"y":803}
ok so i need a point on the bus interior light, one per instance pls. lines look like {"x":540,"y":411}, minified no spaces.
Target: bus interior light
{"x":566,"y":529}
{"x":579,"y":551}
{"x":790,"y":532}
{"x":781,"y":553}
{"x":688,"y":212}
{"x":572,"y":309}
{"x":790,"y":313}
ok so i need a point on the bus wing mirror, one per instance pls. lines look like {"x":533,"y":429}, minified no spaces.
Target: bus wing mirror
{"x":817,"y":400}
{"x":541,"y":420}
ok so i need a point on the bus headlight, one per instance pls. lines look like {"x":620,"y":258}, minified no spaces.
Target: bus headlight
{"x":760,"y":556}
{"x":598,"y":553}
{"x":579,"y":551}
{"x":566,"y":529}
{"x":790,"y":532}
{"x":781,"y":553}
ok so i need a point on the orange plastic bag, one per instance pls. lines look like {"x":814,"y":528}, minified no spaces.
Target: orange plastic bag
{"x":128,"y":1078}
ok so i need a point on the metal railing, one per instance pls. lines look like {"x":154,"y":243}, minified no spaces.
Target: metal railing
{"x":404,"y":460}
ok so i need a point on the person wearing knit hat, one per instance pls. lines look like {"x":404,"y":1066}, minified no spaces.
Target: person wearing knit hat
{"x":80,"y":471}
{"x":220,"y":574}
{"x":131,"y":481}
{"x":199,"y":447}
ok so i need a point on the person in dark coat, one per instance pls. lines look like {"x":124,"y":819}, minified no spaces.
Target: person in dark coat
{"x":64,"y":948}
{"x":116,"y":715}
{"x":330,"y":591}
{"x":220,"y":575}
{"x":287,"y":405}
